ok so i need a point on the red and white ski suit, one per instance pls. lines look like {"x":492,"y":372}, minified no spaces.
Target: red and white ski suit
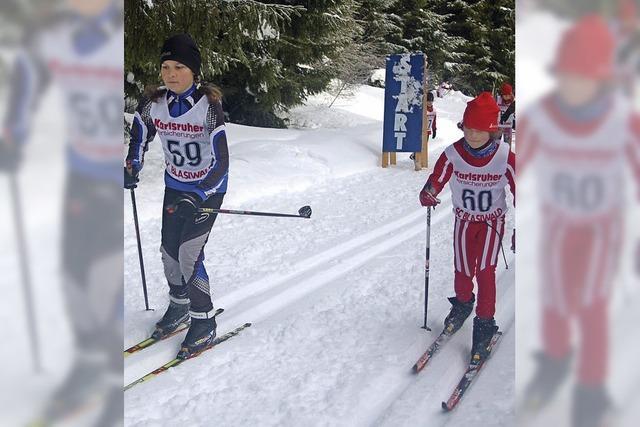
{"x":430,"y":114}
{"x":479,"y":204}
{"x":580,"y":170}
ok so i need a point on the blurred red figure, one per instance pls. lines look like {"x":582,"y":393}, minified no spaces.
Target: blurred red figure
{"x":507,"y":115}
{"x":582,"y":137}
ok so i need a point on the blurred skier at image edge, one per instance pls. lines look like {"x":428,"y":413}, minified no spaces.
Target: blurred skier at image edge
{"x":580,"y":138}
{"x":188,"y":118}
{"x":478,"y":167}
{"x":507,"y":115}
{"x":626,"y":31}
{"x":80,"y":50}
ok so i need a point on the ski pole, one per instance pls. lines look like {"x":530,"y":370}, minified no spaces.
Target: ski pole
{"x":426,"y":269}
{"x":26,"y":277}
{"x":135,"y":221}
{"x":303,"y":212}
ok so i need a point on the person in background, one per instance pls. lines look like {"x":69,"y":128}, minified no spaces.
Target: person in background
{"x":507,"y":118}
{"x":429,"y":115}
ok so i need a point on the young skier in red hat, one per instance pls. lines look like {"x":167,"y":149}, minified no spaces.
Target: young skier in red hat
{"x":478,"y":167}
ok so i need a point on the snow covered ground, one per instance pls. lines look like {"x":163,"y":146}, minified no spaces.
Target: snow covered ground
{"x":335,"y":301}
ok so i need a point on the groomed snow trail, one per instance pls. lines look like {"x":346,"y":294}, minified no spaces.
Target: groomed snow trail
{"x":335,"y":301}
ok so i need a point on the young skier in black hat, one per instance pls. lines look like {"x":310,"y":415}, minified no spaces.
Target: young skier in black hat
{"x":187,"y":116}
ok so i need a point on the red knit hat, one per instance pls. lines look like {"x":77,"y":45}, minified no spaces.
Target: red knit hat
{"x":506,"y":89}
{"x":482,"y":113}
{"x":587,"y":49}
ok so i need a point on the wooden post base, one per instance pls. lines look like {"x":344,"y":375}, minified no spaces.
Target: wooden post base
{"x":388,"y":158}
{"x":425,"y":153}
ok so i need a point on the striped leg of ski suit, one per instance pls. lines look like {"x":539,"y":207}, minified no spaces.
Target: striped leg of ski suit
{"x":476,"y":247}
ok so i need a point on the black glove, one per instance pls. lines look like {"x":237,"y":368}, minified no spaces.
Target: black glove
{"x":131,"y":172}
{"x":459,"y":125}
{"x":433,"y":134}
{"x":10,"y":157}
{"x":186,"y":205}
{"x":130,"y":181}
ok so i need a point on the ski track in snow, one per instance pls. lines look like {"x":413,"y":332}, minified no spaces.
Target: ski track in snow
{"x":335,"y":301}
{"x":270,"y":295}
{"x":404,"y":403}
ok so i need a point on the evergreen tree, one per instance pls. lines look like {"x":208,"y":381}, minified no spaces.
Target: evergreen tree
{"x":266,"y":56}
{"x":485,"y":43}
{"x":367,"y":48}
{"x":378,"y":26}
{"x":422,"y":28}
{"x":270,"y":55}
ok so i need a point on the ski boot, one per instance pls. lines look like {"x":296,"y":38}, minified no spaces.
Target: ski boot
{"x":483,"y":331}
{"x":591,"y":406}
{"x":201,"y":333}
{"x":176,"y":315}
{"x":549,"y":376}
{"x":458,"y":314}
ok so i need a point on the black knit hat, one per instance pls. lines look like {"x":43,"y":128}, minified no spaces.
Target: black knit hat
{"x":183,"y":49}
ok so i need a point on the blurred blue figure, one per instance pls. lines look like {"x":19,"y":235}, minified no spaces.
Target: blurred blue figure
{"x":79,"y":48}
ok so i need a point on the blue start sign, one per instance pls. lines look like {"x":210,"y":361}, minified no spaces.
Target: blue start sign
{"x":403,"y":103}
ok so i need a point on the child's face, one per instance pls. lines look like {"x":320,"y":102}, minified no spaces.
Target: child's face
{"x":176,"y":76}
{"x":429,"y":104}
{"x":577,"y":91}
{"x":475,"y":138}
{"x":88,"y":7}
{"x":507,"y":98}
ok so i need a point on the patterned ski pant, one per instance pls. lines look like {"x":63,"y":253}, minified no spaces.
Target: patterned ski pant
{"x":92,"y":261}
{"x":182,"y":251}
{"x":579,"y":261}
{"x":476,"y":247}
